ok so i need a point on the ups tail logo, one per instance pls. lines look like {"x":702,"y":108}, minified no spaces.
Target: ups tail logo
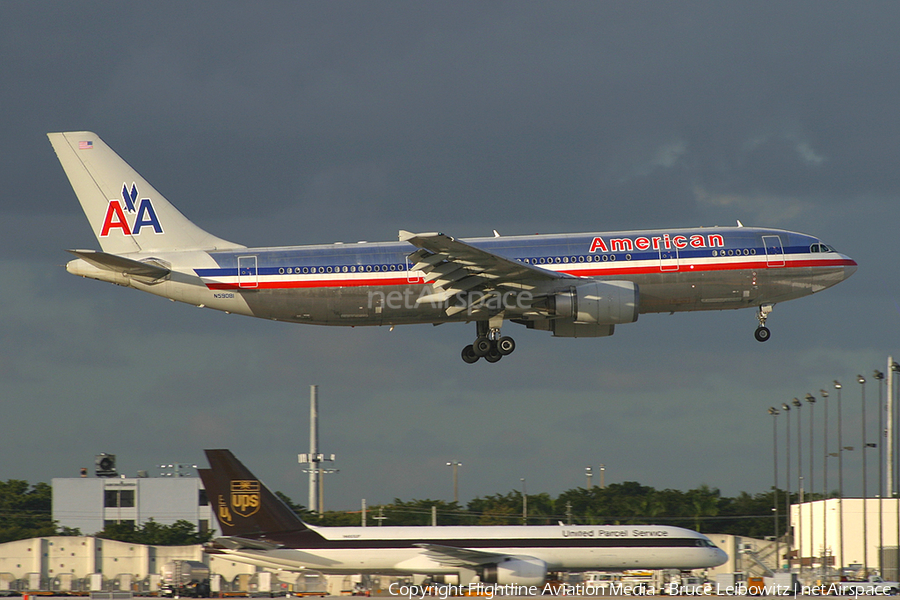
{"x":224,"y":512}
{"x":245,"y":497}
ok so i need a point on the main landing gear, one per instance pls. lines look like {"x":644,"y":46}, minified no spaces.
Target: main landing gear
{"x":489,"y":344}
{"x":762,"y":333}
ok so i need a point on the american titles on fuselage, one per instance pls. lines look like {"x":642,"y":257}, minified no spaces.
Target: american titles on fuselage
{"x":665,"y":241}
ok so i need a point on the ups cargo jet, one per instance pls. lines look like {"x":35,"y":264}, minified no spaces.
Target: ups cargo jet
{"x":571,"y":285}
{"x":259,"y":529}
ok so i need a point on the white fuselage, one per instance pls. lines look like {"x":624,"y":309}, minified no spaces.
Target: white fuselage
{"x":404,"y":550}
{"x":374,"y":284}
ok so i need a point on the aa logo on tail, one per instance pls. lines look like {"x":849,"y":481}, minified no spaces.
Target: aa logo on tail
{"x":143,"y":213}
{"x":245,"y":497}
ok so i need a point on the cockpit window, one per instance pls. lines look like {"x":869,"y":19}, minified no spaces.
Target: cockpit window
{"x":821,"y":248}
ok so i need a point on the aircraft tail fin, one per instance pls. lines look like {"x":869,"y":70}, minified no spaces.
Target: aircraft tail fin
{"x":243,"y":505}
{"x":126,"y":213}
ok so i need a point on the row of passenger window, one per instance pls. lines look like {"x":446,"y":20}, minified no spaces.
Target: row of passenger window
{"x":534,"y":261}
{"x":341,"y":269}
{"x":612,"y":257}
{"x":567,"y":259}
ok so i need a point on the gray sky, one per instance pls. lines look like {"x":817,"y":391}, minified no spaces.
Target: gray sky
{"x":279,"y":123}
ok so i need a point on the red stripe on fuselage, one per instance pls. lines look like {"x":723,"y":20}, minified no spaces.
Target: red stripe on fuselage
{"x":690,"y":267}
{"x":592,"y":270}
{"x":315,"y":283}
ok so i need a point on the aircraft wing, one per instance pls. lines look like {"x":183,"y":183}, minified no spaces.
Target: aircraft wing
{"x":454,"y":267}
{"x":459,"y":557}
{"x":120,"y":264}
{"x":238,"y":543}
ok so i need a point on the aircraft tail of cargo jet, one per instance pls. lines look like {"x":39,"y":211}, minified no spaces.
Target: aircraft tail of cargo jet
{"x":261,"y":530}
{"x":243,"y":505}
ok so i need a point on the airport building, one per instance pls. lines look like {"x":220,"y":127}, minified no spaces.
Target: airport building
{"x":750,"y":556}
{"x":90,"y":503}
{"x":850,"y":534}
{"x":79,"y":565}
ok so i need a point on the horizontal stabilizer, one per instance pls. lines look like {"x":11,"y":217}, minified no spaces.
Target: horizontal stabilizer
{"x":120,"y":264}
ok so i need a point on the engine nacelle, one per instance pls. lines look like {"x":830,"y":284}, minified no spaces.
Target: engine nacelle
{"x":567,"y":328}
{"x":520,"y":570}
{"x":591,"y":309}
{"x":599,"y":302}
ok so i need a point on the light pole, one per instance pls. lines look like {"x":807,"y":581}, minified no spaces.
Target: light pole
{"x":893,"y":368}
{"x":774,"y":412}
{"x":838,"y":386}
{"x":315,"y":459}
{"x":788,"y":533}
{"x":524,"y":502}
{"x":824,"y":396}
{"x":862,"y":386}
{"x":879,"y":377}
{"x":889,"y":429}
{"x":811,"y":400}
{"x":797,"y":404}
{"x":456,"y":465}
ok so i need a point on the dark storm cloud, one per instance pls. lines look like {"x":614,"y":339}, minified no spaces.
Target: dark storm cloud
{"x":284,"y":123}
{"x":475,"y":107}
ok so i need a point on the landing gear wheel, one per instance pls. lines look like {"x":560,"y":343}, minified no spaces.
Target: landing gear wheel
{"x":493,"y":356}
{"x":482,"y":346}
{"x":762,"y":332}
{"x":469,"y":356}
{"x":506,"y":345}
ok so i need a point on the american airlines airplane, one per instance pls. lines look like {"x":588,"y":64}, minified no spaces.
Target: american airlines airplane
{"x":261,"y":530}
{"x":571,"y":285}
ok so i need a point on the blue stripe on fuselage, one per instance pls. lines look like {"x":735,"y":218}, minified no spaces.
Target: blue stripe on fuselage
{"x":392,"y":256}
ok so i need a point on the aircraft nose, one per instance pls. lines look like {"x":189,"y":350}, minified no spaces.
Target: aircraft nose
{"x":721,"y":557}
{"x":850,"y":267}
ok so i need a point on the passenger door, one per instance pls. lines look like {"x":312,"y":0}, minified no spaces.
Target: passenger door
{"x":774,"y":251}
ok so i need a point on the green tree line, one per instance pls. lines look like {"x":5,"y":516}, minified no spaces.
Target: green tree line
{"x":25,"y":512}
{"x":703,"y":509}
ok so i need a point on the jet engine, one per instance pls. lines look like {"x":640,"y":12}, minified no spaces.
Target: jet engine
{"x":590,"y":309}
{"x":519,"y":570}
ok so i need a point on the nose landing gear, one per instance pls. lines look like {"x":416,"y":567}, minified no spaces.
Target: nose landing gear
{"x":762,"y":333}
{"x":489,"y":344}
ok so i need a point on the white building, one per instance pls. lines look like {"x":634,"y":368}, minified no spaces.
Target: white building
{"x":833,"y":529}
{"x":63,"y":558}
{"x":750,"y":556}
{"x":80,"y":564}
{"x":90,"y":503}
